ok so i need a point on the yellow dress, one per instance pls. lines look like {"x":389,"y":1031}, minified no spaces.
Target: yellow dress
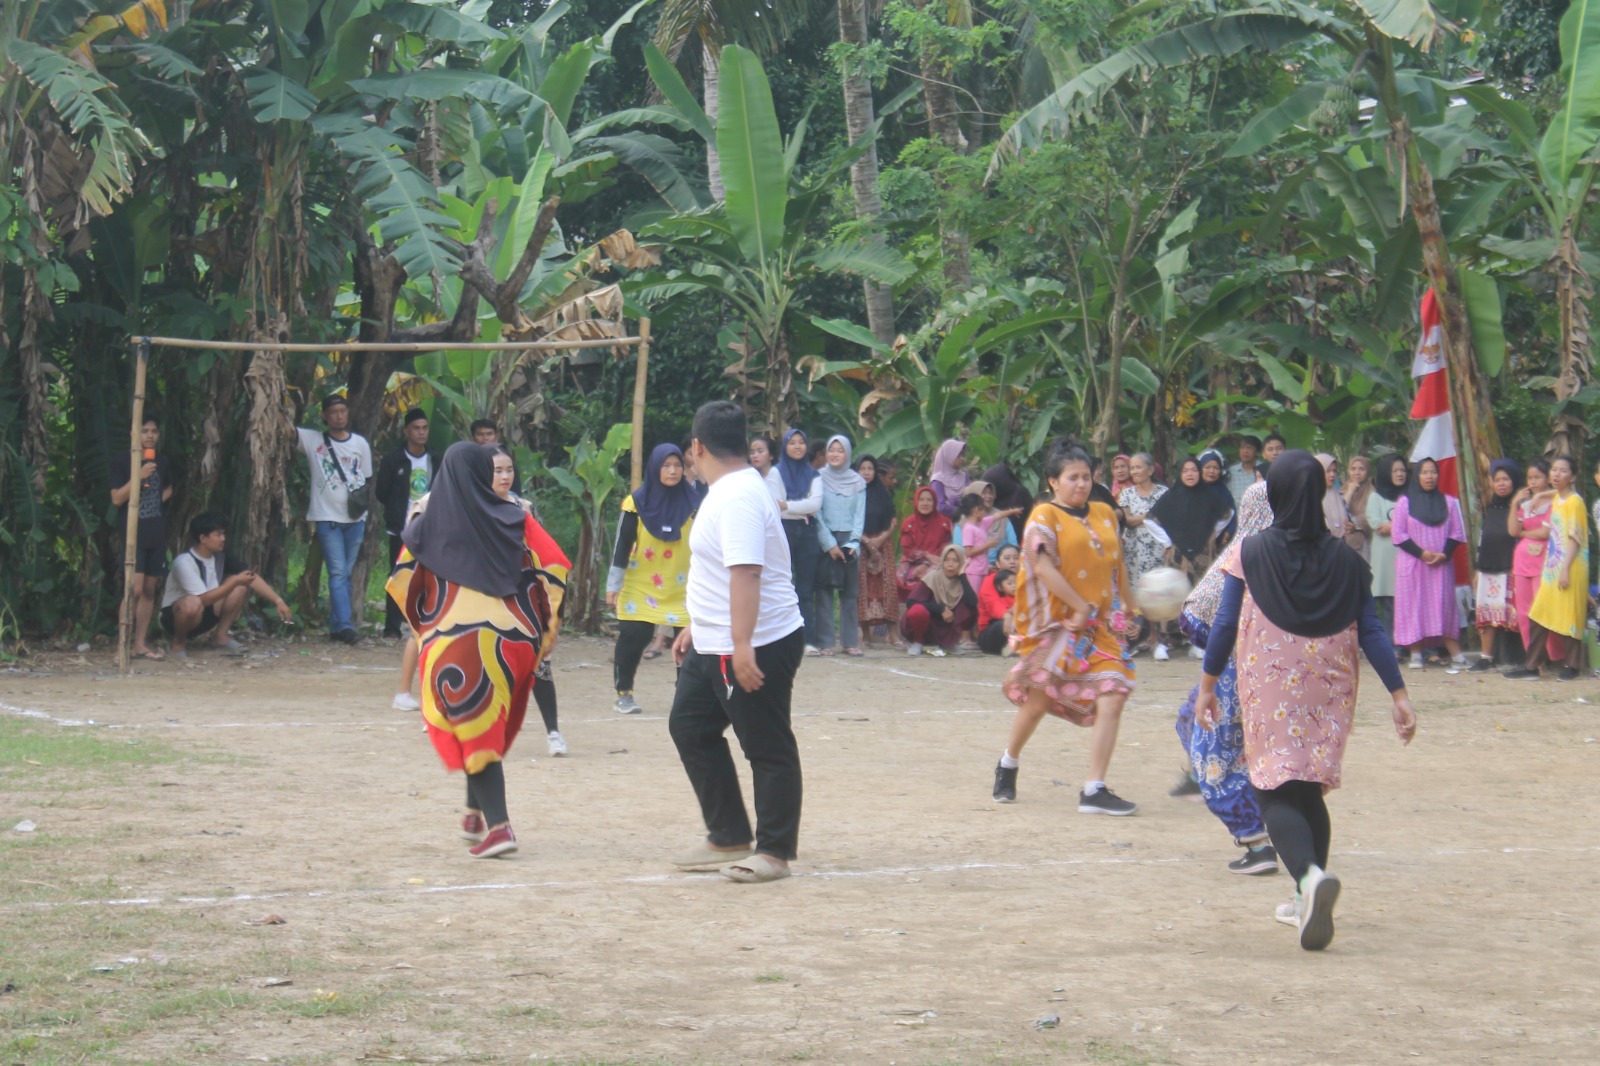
{"x":1073,"y":669}
{"x":1562,"y":611}
{"x":656,"y":580}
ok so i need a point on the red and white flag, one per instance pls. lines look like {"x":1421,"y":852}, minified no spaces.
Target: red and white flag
{"x":1437,"y":441}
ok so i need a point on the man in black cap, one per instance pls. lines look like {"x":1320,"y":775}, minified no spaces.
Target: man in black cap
{"x":341,"y":464}
{"x":403,"y":478}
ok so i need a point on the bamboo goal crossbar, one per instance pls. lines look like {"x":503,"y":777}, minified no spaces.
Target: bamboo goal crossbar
{"x":143,"y":345}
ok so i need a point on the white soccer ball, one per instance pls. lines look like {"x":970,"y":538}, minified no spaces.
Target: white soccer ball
{"x":1161,"y":593}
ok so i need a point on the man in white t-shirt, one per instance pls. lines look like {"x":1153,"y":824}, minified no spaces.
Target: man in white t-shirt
{"x":341,"y":463}
{"x":206,"y":590}
{"x":737,"y":660}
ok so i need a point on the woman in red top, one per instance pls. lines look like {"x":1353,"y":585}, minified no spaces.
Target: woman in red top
{"x":923,"y":535}
{"x":995,"y":600}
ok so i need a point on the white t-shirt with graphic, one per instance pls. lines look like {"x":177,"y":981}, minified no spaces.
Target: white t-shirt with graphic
{"x":421,"y":473}
{"x":328,"y":492}
{"x":738,"y":525}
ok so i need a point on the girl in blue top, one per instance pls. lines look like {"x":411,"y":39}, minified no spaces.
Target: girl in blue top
{"x":841,"y":521}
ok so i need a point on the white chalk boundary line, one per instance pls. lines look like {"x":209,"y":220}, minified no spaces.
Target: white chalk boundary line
{"x":686,"y":877}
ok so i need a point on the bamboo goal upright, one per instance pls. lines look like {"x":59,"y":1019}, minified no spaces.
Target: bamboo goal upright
{"x":142,"y":347}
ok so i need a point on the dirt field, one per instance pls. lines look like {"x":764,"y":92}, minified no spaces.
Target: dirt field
{"x":924,"y":924}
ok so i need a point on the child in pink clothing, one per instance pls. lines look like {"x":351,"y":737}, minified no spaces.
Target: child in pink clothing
{"x":982,"y":531}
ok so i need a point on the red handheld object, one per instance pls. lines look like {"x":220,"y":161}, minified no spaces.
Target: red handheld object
{"x":149,"y":455}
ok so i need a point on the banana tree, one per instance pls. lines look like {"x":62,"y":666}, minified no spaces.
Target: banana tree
{"x":591,"y":479}
{"x":1375,"y":35}
{"x":1559,"y":168}
{"x":755,"y":250}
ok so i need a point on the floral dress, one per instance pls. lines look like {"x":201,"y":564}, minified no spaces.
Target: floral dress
{"x":1216,"y":755}
{"x":1559,"y":610}
{"x":1145,"y":552}
{"x":656,"y":581}
{"x":1074,"y":670}
{"x":1297,"y":695}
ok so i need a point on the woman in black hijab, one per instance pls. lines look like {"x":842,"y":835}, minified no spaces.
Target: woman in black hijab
{"x":1009,"y":492}
{"x":1298,"y":602}
{"x":1496,"y":552}
{"x":877,"y":606}
{"x":481,"y":585}
{"x":1191,"y":514}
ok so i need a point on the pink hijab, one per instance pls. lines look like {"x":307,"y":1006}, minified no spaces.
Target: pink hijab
{"x":947,"y":469}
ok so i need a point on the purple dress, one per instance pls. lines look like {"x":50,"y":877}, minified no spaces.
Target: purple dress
{"x":1424,"y":596}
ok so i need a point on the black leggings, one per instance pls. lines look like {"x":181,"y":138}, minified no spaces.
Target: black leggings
{"x":544,"y":695}
{"x":486,"y":792}
{"x":632,"y":639}
{"x":992,"y":640}
{"x":1297,"y":820}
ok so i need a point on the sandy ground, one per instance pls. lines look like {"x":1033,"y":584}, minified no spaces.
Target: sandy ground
{"x":925,"y":924}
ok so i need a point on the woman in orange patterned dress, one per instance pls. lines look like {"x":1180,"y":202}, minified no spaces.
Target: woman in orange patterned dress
{"x":1071,"y":618}
{"x":481,"y":584}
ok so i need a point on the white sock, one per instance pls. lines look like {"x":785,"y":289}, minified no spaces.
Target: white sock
{"x":1091,"y":788}
{"x":1008,"y":761}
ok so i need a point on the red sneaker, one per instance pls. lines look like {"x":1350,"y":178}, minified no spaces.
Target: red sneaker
{"x":472,"y":828}
{"x":499,"y":842}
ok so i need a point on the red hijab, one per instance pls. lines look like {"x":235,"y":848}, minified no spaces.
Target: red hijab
{"x":925,"y":532}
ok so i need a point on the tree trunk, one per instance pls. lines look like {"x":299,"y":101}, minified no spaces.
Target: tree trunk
{"x":1469,"y":393}
{"x":858,"y":118}
{"x":783,"y":406}
{"x":710,"y":74}
{"x":1573,"y":291}
{"x":939,"y":100}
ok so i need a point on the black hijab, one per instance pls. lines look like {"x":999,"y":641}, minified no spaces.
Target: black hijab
{"x":663,"y":509}
{"x":469,"y":535}
{"x":1498,"y":546}
{"x":1304,"y":579}
{"x":1009,"y":492}
{"x":880,"y":505}
{"x":1383,"y":483}
{"x":1429,"y":508}
{"x":1190,"y":514}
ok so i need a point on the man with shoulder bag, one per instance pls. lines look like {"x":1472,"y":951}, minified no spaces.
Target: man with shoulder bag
{"x":341,"y":490}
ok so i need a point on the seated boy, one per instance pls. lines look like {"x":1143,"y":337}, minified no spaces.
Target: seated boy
{"x":206,"y":590}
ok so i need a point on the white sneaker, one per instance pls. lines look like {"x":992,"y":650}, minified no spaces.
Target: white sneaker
{"x":405,"y":701}
{"x":558,"y":746}
{"x":1319,"y":892}
{"x":937,"y":653}
{"x":913,"y":649}
{"x":1416,"y":660}
{"x":1457,"y":664}
{"x":1288,"y":913}
{"x":1196,"y":653}
{"x":1161,"y":653}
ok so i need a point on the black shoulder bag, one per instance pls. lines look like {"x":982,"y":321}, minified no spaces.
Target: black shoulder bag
{"x":358,"y":500}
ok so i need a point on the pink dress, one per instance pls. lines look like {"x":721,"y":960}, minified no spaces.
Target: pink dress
{"x":975,"y":535}
{"x":1526,"y":563}
{"x":1424,"y":596}
{"x":1297,"y":696}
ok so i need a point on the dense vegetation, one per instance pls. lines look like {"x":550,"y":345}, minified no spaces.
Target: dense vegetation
{"x":1149,"y":224}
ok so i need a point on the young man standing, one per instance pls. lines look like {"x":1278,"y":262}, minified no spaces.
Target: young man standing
{"x":486,"y":432}
{"x":150,"y":545}
{"x":403,"y":478}
{"x":207,"y":590}
{"x":1242,"y":475}
{"x":341,"y":463}
{"x":1273,"y":448}
{"x":737,"y":660}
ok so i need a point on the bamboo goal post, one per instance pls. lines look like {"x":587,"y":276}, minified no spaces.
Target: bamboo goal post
{"x":142,"y":347}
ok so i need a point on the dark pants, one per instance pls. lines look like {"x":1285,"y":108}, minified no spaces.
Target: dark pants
{"x":632,"y":639}
{"x":393,"y":617}
{"x":1297,"y":821}
{"x":804,"y":554}
{"x":992,"y":641}
{"x":702,"y":711}
{"x":544,"y":697}
{"x":486,"y":793}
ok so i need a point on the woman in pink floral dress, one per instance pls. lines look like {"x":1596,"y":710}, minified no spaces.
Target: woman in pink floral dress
{"x":1298,"y":602}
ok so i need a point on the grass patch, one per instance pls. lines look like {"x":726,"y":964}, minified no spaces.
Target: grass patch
{"x":29,"y":748}
{"x":770,"y":978}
